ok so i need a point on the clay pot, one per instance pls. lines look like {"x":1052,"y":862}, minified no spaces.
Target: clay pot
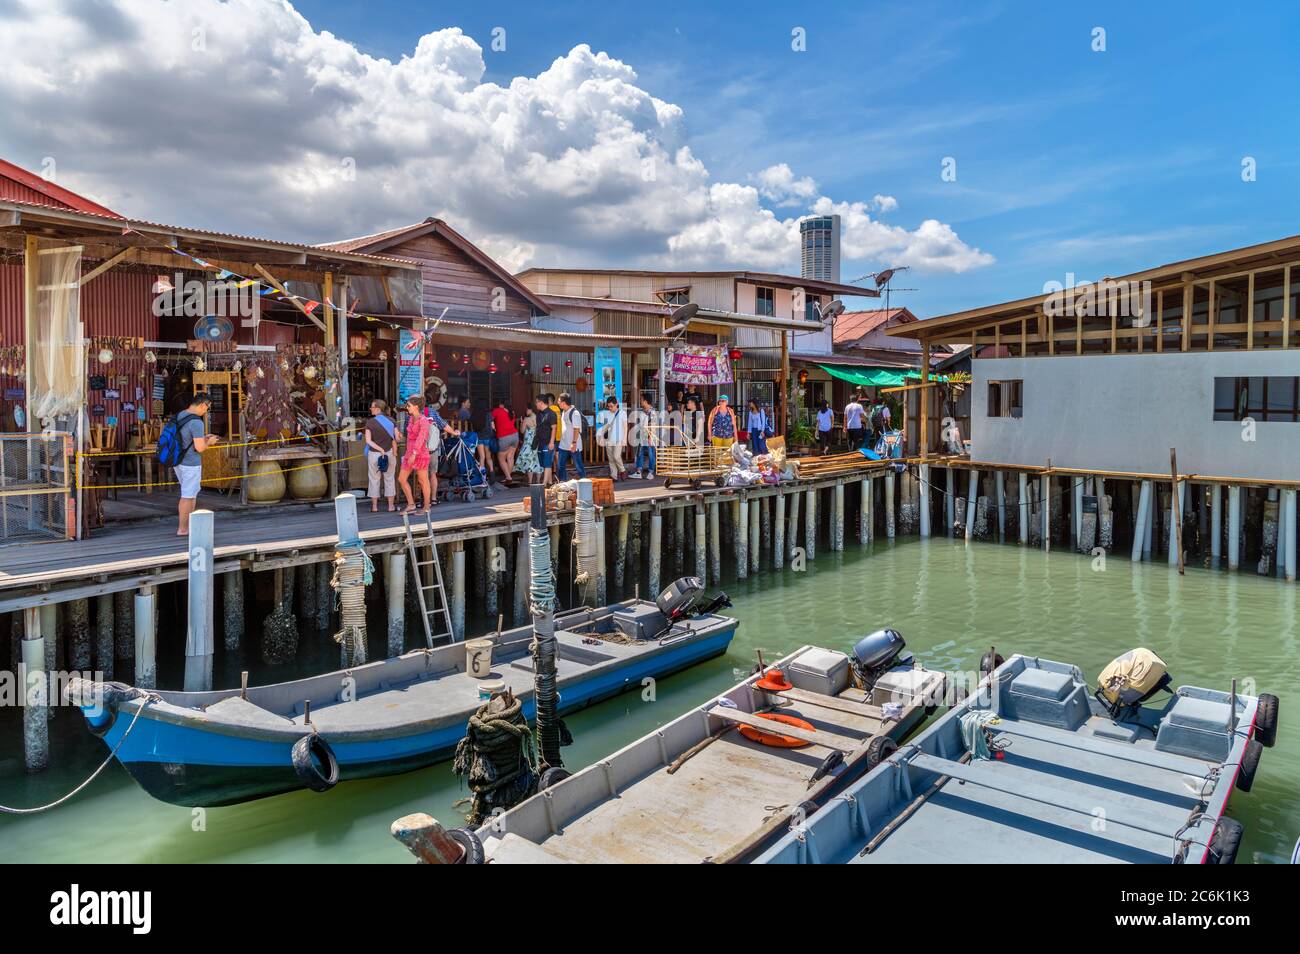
{"x":308,"y":481}
{"x":265,"y":481}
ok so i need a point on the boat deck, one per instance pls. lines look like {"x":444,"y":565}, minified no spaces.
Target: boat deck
{"x":992,"y":812}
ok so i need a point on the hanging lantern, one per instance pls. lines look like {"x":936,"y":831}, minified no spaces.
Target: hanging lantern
{"x":105,"y":355}
{"x":434,"y":365}
{"x":546,"y":369}
{"x":199,"y":364}
{"x":736,"y":354}
{"x":587,"y":370}
{"x":464,"y":359}
{"x":383,"y":356}
{"x":237,"y":367}
{"x":523,"y":361}
{"x":568,"y":363}
{"x":803,"y":376}
{"x":492,"y":368}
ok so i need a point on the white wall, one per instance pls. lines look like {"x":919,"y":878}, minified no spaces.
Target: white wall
{"x":1124,"y":412}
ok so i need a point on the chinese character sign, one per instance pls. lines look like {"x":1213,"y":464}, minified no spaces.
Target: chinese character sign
{"x":699,"y":364}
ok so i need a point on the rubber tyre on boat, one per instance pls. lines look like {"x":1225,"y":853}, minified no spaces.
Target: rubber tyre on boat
{"x":1249,"y":764}
{"x":470,"y":843}
{"x":1266,"y":719}
{"x":881,"y":748}
{"x":309,"y":754}
{"x":552,"y":776}
{"x":1225,"y":841}
{"x":985,"y":667}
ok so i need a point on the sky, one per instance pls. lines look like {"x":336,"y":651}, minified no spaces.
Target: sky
{"x":991,"y":148}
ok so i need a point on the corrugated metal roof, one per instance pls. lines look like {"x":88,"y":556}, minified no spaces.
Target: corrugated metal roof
{"x":854,"y":325}
{"x":19,"y":185}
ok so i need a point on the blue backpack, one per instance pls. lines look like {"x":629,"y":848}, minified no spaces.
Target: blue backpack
{"x":171,"y":449}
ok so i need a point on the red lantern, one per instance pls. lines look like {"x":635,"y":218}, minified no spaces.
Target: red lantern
{"x":464,"y":359}
{"x":492,"y":368}
{"x":587,"y":370}
{"x":736,"y":354}
{"x":434,"y":365}
{"x":568,"y":363}
{"x":523,"y":361}
{"x":546,"y":369}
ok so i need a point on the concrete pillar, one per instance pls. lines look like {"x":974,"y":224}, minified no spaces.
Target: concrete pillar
{"x":1045,"y":502}
{"x":972,"y":492}
{"x":890,"y":521}
{"x":521,"y":574}
{"x":620,"y":552}
{"x":656,"y":551}
{"x":679,"y":539}
{"x":793,"y":533}
{"x":104,"y":648}
{"x":699,"y":541}
{"x":36,"y":720}
{"x":864,"y":511}
{"x":1076,"y":509}
{"x":124,"y":623}
{"x":755,"y":535}
{"x":458,"y":590}
{"x":1289,"y":532}
{"x":740,"y":523}
{"x":837,"y":517}
{"x":765,"y":526}
{"x":395,"y":577}
{"x":50,"y":633}
{"x":232,"y":604}
{"x":778,"y":531}
{"x":923,"y":505}
{"x":146,"y":637}
{"x":1022,"y":481}
{"x":199,"y":640}
{"x":1234,"y":527}
{"x":1140,"y":521}
{"x":950,"y":503}
{"x":715,"y":542}
{"x":1271,"y":519}
{"x":810,"y":524}
{"x":78,"y":626}
{"x":1216,"y":525}
{"x":491,"y":573}
{"x":1000,"y":489}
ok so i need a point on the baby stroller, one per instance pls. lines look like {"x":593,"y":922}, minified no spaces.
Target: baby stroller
{"x":465,"y":478}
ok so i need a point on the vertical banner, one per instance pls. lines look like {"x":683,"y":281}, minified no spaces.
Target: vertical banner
{"x":607,"y":366}
{"x":410,"y":365}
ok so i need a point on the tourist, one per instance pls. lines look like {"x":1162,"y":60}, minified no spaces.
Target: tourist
{"x":527,"y":461}
{"x":645,"y":435}
{"x":757,"y":425}
{"x":380,"y":436}
{"x":437,"y":428}
{"x":721,"y":426}
{"x":416,"y":458}
{"x":854,"y":417}
{"x":559,"y":417}
{"x":544,"y":438}
{"x":692,"y":429}
{"x":570,"y":440}
{"x":189,"y":472}
{"x":507,"y":436}
{"x":877,"y":421}
{"x":825,"y":422}
{"x":611,"y":434}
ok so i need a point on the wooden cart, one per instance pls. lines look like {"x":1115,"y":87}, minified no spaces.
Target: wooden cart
{"x":693,"y":463}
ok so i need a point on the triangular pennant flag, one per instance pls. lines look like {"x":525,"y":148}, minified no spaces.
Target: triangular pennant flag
{"x":310,"y":306}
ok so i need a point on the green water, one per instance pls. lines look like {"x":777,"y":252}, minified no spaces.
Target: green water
{"x":951,"y":601}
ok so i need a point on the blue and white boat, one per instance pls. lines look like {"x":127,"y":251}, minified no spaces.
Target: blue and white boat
{"x":228,"y":746}
{"x":1036,"y":768}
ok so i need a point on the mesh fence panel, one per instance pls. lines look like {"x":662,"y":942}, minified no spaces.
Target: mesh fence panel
{"x":34,"y":486}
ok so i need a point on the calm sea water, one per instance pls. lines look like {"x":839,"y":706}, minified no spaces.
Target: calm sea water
{"x":951,"y":601}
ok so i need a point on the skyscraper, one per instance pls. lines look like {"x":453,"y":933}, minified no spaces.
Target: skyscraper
{"x":819,"y":238}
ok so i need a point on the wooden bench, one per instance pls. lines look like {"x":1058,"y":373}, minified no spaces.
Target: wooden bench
{"x":825,"y":739}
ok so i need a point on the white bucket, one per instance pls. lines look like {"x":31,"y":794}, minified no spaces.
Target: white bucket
{"x":488,"y":687}
{"x":478,"y":657}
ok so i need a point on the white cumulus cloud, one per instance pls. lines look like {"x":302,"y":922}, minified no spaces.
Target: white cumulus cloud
{"x":237,"y":114}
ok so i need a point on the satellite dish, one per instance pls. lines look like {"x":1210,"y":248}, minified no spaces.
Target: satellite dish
{"x":832,"y":310}
{"x":883,"y":278}
{"x":684,"y":312}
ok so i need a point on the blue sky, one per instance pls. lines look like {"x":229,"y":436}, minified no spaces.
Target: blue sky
{"x":1067,"y":159}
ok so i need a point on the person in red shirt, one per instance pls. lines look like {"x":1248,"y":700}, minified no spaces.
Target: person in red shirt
{"x":503,"y":422}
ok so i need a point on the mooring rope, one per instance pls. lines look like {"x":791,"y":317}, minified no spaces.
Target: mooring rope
{"x":353,"y":572}
{"x":584,"y":540}
{"x":541,"y":594}
{"x":497,"y":757}
{"x":6,"y":810}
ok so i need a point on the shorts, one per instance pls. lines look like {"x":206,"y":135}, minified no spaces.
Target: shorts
{"x":435,"y":460}
{"x":545,"y":457}
{"x":722,"y":441}
{"x":190,"y":477}
{"x":507,"y":442}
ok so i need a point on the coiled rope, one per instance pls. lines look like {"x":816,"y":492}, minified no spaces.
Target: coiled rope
{"x":149,"y":698}
{"x":584,"y":540}
{"x":541,"y":595}
{"x":353,"y":572}
{"x":497,"y":757}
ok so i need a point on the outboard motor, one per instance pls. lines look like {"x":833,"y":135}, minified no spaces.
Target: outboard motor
{"x":681,"y":600}
{"x":876,"y":654}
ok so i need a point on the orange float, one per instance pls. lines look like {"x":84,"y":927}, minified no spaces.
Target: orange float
{"x":775,"y":738}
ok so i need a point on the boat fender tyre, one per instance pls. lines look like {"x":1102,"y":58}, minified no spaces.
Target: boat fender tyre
{"x":1249,"y":765}
{"x":1225,"y":842}
{"x":315,"y":764}
{"x":989,"y":662}
{"x":881,"y":748}
{"x":113,"y":695}
{"x":552,"y":776}
{"x":1266,"y":719}
{"x":471,"y":843}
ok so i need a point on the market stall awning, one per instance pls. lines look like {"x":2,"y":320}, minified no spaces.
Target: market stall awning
{"x":875,"y":377}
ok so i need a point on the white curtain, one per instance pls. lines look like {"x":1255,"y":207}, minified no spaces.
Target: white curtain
{"x":54,"y":352}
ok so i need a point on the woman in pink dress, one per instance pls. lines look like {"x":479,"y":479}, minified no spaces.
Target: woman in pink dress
{"x":416,"y":457}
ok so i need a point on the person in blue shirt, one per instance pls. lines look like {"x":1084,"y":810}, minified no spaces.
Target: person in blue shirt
{"x":825,"y":422}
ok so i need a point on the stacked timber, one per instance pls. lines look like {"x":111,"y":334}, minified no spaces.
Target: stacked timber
{"x":833,"y":465}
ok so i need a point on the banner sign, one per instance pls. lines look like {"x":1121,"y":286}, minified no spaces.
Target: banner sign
{"x":699,"y":364}
{"x":607,"y":367}
{"x":410,"y":365}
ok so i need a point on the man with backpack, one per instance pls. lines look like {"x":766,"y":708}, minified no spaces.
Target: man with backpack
{"x":181,"y":446}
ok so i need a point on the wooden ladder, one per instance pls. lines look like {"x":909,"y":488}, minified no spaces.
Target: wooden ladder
{"x":434,"y":611}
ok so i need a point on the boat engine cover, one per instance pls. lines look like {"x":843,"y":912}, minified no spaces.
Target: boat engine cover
{"x":679,"y":595}
{"x":876,"y":650}
{"x":640,"y":621}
